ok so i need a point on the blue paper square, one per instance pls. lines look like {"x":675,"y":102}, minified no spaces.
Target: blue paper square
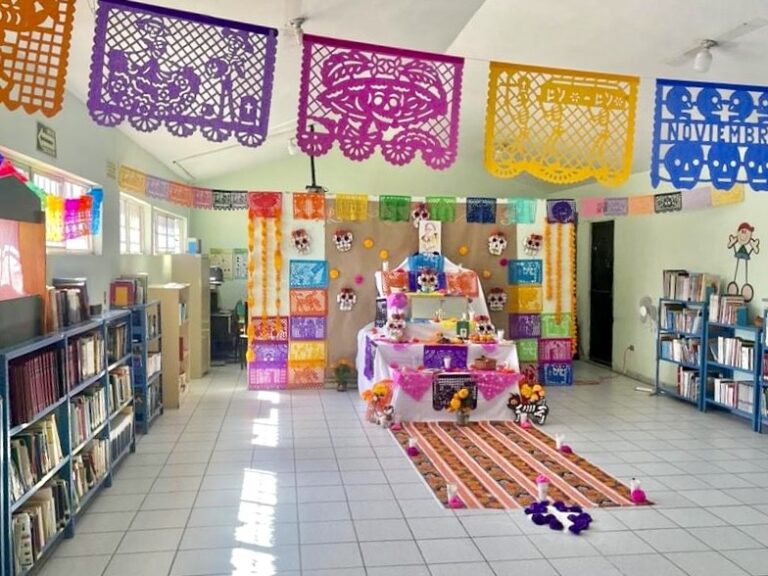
{"x":525,"y":272}
{"x":308,"y":274}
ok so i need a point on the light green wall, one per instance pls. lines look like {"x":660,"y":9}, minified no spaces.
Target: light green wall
{"x":646,"y":245}
{"x":83,"y":150}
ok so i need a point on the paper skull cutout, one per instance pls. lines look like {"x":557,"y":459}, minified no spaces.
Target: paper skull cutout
{"x":346,"y":299}
{"x":395,"y":326}
{"x":756,"y":164}
{"x":427,"y":280}
{"x":301,"y":241}
{"x":497,"y":300}
{"x":684,"y":162}
{"x":497,"y":243}
{"x":343,"y":239}
{"x":740,"y":106}
{"x":679,"y":102}
{"x":421,"y":212}
{"x":484,"y":327}
{"x":723,"y":162}
{"x":532,"y":244}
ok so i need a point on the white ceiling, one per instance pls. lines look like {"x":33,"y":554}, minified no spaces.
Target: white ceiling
{"x":621,"y":36}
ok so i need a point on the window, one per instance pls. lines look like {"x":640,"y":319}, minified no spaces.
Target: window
{"x":168,"y":232}
{"x":67,"y":189}
{"x":132,"y":225}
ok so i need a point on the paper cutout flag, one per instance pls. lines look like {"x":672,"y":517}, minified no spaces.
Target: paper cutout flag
{"x":154,"y":66}
{"x":34,"y":52}
{"x":705,"y":132}
{"x":308,"y":206}
{"x":561,"y":126}
{"x":616,"y":206}
{"x":521,"y":211}
{"x":351,"y":207}
{"x":697,"y":199}
{"x":592,"y":207}
{"x":132,"y":181}
{"x":733,"y":196}
{"x":365,"y":97}
{"x":641,"y":205}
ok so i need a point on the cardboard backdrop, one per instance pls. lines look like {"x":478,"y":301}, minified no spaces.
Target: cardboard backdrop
{"x":400,"y":239}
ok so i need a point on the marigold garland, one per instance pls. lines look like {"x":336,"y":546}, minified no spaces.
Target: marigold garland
{"x":559,"y":274}
{"x":278,"y":260}
{"x":548,"y":261}
{"x":264,"y":279}
{"x":251,"y":329}
{"x":574,"y":327}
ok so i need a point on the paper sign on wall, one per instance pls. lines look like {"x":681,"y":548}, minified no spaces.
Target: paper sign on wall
{"x":240,"y":263}
{"x":223,"y":258}
{"x":430,"y":236}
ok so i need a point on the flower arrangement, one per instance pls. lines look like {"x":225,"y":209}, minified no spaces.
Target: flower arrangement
{"x":461,"y":404}
{"x":541,"y":515}
{"x":531,"y":401}
{"x":343,"y":373}
{"x":378,"y":398}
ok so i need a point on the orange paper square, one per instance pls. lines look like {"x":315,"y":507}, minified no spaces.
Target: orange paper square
{"x":306,"y":375}
{"x":641,"y":204}
{"x":309,"y":303}
{"x":180,"y":194}
{"x":308,"y":206}
{"x":464,"y":283}
{"x":394,"y":279}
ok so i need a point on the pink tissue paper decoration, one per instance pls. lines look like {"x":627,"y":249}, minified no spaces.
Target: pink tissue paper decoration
{"x":591,"y":207}
{"x":363,"y":96}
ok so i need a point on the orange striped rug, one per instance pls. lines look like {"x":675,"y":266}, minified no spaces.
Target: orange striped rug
{"x":495,"y":465}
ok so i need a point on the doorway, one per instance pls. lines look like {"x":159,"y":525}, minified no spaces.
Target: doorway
{"x":601,"y":294}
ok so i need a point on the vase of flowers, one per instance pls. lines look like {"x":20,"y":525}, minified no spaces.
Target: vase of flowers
{"x":461,"y":405}
{"x":343,"y":374}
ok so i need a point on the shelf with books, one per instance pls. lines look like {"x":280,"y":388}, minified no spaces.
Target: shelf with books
{"x":19,"y":502}
{"x":174,"y":298}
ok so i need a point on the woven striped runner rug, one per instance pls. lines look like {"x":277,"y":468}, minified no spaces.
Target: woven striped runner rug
{"x":495,"y":465}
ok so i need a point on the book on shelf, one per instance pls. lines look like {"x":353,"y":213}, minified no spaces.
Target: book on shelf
{"x":120,"y":386}
{"x":35,"y":383}
{"x":121,"y":434}
{"x":688,"y":383}
{"x":733,"y":352}
{"x":689,"y":286}
{"x":70,"y":305}
{"x":728,"y":310}
{"x":117,"y":342}
{"x":85,"y":358}
{"x":732,"y":393}
{"x":128,"y":290}
{"x":680,"y":318}
{"x":87,"y":412}
{"x":37,"y":522}
{"x":34,"y":453}
{"x":88,"y":468}
{"x":680,"y":349}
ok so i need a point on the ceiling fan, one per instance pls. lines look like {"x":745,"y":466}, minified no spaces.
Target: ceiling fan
{"x":701,"y":53}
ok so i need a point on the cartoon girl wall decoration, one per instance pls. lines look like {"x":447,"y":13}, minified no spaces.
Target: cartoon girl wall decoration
{"x":744,"y":244}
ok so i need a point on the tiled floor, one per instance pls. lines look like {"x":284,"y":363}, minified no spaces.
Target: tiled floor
{"x":240,"y":482}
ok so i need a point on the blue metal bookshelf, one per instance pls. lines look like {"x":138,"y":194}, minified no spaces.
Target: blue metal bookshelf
{"x":666,"y":330}
{"x":61,"y":407}
{"x":148,"y":388}
{"x":761,"y":403}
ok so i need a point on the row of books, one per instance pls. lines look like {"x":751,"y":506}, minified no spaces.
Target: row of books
{"x":128,"y":290}
{"x":680,"y":349}
{"x":154,"y":361}
{"x":688,"y":383}
{"x":34,"y":453}
{"x":120,"y":386}
{"x":727,"y":310}
{"x":121,"y":434}
{"x":732,"y":393}
{"x":87,"y":412}
{"x":681,"y":319}
{"x":88,"y":468}
{"x":85,"y":358}
{"x":689,"y":286}
{"x":117,"y":342}
{"x":37,"y":522}
{"x":35,"y":384}
{"x":67,"y":303}
{"x":733,"y":352}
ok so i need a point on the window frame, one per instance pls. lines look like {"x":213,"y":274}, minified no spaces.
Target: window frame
{"x":159,"y":215}
{"x":131,"y":206}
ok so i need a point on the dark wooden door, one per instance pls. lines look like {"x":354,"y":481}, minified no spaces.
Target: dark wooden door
{"x":601,"y":294}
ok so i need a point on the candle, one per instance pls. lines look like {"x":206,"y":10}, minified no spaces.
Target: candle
{"x":447,"y":362}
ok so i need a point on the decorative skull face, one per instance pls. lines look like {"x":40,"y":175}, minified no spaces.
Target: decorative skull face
{"x":483,"y":327}
{"x":532,"y":244}
{"x":343,"y":240}
{"x":679,"y":102}
{"x":723,"y":161}
{"x":346,"y":299}
{"x":497,"y":300}
{"x":427,"y":280}
{"x":418,"y":214}
{"x":684,"y":162}
{"x":756,"y":164}
{"x":395,"y":326}
{"x":710,"y":104}
{"x":740,"y":105}
{"x":301,"y":241}
{"x":497,"y":243}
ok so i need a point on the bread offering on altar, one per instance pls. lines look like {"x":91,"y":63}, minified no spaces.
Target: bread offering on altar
{"x":484,"y":363}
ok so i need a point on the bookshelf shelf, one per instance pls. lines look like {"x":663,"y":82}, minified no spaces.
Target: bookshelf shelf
{"x":754,"y":329}
{"x":120,"y":457}
{"x":679,"y":333}
{"x":174,"y":305}
{"x":681,"y":363}
{"x":147,"y":339}
{"x":59,"y":482}
{"x":714,"y":364}
{"x":729,"y":408}
{"x":671,"y":391}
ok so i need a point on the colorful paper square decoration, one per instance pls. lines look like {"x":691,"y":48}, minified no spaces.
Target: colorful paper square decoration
{"x":555,"y":350}
{"x":261,"y":204}
{"x":591,"y":207}
{"x":302,"y":375}
{"x":309,"y":303}
{"x":526,"y":299}
{"x":464,"y":283}
{"x":271,"y":354}
{"x":641,"y":205}
{"x":132,"y":181}
{"x":527,"y":350}
{"x":395,"y":208}
{"x":557,"y":374}
{"x":154,"y":66}
{"x":561,"y":126}
{"x":561,"y":211}
{"x":267,"y":378}
{"x":525,"y":271}
{"x":306,"y":351}
{"x":521,"y":211}
{"x":524,"y":326}
{"x":616,"y":206}
{"x":308,"y":274}
{"x":442,"y":208}
{"x":364,"y":96}
{"x":551,"y":328}
{"x":733,"y":196}
{"x":308,"y":328}
{"x":397,"y":279}
{"x":34,"y":53}
{"x":697,"y":199}
{"x":670,"y":202}
{"x":308,"y":206}
{"x":481,"y":210}
{"x":705,"y":132}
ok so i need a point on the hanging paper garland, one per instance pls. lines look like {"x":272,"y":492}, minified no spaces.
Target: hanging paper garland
{"x":481,"y":210}
{"x":442,"y":208}
{"x":77,"y":217}
{"x":98,"y":197}
{"x":559,"y":273}
{"x":278,"y":256}
{"x":216,"y":74}
{"x":561,"y":126}
{"x":548,"y":260}
{"x":355,"y":94}
{"x":251,"y":329}
{"x":54,"y":219}
{"x":351,"y":207}
{"x":394,"y":208}
{"x":572,"y":260}
{"x":521,"y":211}
{"x":35,"y":54}
{"x":264,"y":278}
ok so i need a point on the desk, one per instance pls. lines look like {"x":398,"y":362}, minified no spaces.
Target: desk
{"x":223,"y":335}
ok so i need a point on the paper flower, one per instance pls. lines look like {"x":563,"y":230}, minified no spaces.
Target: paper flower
{"x":334,"y":273}
{"x":397,"y":300}
{"x":383,"y":254}
{"x":487,"y":274}
{"x":503,"y":262}
{"x":455,"y":503}
{"x":359,"y":279}
{"x":368,"y":243}
{"x":463,"y":250}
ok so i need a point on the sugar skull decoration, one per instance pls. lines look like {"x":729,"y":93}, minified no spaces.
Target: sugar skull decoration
{"x":532,"y":244}
{"x":301,"y":241}
{"x":421,"y":212}
{"x":743,"y":244}
{"x":497,"y":300}
{"x":497,"y":243}
{"x":427,"y":280}
{"x":484,"y":329}
{"x":346,"y":299}
{"x":343,"y":239}
{"x":396,"y":326}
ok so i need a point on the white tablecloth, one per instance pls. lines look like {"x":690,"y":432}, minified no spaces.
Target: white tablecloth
{"x":411,"y":355}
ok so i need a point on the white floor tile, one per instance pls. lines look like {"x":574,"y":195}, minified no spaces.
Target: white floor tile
{"x":150,"y":541}
{"x":449,"y":550}
{"x":151,"y":563}
{"x":395,"y":553}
